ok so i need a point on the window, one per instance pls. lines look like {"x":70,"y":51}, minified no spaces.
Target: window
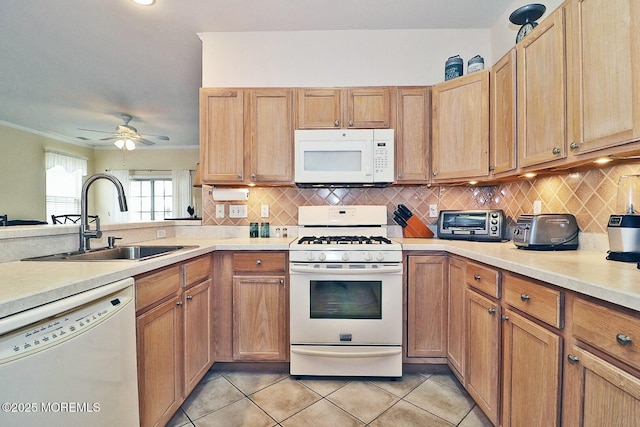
{"x":150,"y":199}
{"x":63,"y":183}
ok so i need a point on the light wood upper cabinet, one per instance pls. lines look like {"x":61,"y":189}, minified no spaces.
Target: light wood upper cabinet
{"x":413,"y":134}
{"x":222,"y":135}
{"x":542,"y":116}
{"x":426,"y":306}
{"x":460,"y":140}
{"x":603,"y":56}
{"x":503,"y":115}
{"x":367,"y":107}
{"x":271,"y":134}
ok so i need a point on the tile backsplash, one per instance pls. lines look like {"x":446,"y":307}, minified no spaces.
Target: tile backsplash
{"x":589,"y":195}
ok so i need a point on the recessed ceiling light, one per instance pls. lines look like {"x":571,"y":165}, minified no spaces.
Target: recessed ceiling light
{"x":144,"y":2}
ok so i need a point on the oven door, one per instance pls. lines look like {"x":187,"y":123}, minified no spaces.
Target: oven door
{"x":346,"y":304}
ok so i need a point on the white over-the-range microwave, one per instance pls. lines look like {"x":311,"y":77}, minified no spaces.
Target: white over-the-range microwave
{"x":344,"y":157}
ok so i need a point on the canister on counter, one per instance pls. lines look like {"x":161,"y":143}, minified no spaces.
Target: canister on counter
{"x":475,"y":64}
{"x":264,"y":229}
{"x":453,"y":67}
{"x":253,"y":229}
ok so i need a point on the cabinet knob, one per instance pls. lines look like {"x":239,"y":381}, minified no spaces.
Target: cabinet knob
{"x":239,"y":175}
{"x":573,"y":359}
{"x":492,"y":311}
{"x":253,"y":176}
{"x":258,"y":262}
{"x":336,"y":123}
{"x":525,"y":297}
{"x":476,"y":277}
{"x":350,"y":122}
{"x":574,"y":146}
{"x":434,"y":173}
{"x":189,"y":297}
{"x":179,"y":303}
{"x":556,"y":150}
{"x":623,"y":339}
{"x":505,"y":318}
{"x":399,"y":174}
{"x":282,"y":281}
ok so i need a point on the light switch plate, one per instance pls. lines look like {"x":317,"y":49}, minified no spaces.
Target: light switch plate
{"x":220,"y":210}
{"x":264,"y":211}
{"x":537,"y":207}
{"x":433,"y":211}
{"x":237,"y":211}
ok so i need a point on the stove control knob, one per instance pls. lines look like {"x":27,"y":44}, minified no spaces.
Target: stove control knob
{"x":380,"y":256}
{"x":322,"y":256}
{"x":310,"y":256}
{"x":368,"y":256}
{"x":345,"y":256}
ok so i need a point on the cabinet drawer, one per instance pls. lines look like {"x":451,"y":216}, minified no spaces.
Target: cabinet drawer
{"x":609,"y":330}
{"x":483,"y":278}
{"x":543,"y":303}
{"x":156,"y":286}
{"x":197,"y":270}
{"x":260,"y":261}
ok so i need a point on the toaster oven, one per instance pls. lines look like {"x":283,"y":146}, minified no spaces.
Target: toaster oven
{"x":480,"y":225}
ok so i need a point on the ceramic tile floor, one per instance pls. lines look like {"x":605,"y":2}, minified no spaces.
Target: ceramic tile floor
{"x":264,"y":399}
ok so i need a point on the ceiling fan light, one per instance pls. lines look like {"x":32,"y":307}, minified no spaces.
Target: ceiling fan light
{"x":145,"y":2}
{"x":130,"y":144}
{"x":119,"y":143}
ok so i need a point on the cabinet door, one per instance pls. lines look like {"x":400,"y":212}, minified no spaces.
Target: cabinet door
{"x":460,"y":143}
{"x":159,"y":362}
{"x":198,"y":331}
{"x":483,"y":358}
{"x":413,"y":135}
{"x":542,"y":117}
{"x":598,"y":393}
{"x":368,"y":108}
{"x":426,"y":306}
{"x":604,"y":61}
{"x":222,"y":135}
{"x":271,"y":145}
{"x":319,"y":108}
{"x":260,"y":318}
{"x":531,"y":369}
{"x":456,"y":318}
{"x":503,"y":114}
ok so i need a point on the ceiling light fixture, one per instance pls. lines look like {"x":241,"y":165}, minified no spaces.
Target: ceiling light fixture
{"x":144,"y":2}
{"x":125,"y":143}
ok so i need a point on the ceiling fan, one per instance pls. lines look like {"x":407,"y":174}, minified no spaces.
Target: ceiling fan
{"x":126,"y":136}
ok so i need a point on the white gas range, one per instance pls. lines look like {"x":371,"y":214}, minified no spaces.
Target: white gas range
{"x":346,"y":293}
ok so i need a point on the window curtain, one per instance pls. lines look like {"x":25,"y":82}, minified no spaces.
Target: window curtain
{"x":69,"y":162}
{"x":181,"y":182}
{"x":123,"y":177}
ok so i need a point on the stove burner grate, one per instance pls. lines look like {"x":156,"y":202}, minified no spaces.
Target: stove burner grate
{"x":344,"y":240}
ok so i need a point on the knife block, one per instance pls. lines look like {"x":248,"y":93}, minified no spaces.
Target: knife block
{"x":416,"y":228}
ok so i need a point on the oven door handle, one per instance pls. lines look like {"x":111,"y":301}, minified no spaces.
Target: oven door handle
{"x":383,"y":269}
{"x":342,"y":355}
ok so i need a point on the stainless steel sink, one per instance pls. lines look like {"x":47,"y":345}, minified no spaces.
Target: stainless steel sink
{"x":134,"y":252}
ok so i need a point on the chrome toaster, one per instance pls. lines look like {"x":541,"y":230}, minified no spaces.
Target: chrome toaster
{"x":546,"y":232}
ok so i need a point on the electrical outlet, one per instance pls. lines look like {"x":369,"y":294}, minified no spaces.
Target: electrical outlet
{"x":433,"y":211}
{"x":237,"y":211}
{"x":264,"y":211}
{"x":220,"y":210}
{"x":537,"y":207}
{"x":161,"y":233}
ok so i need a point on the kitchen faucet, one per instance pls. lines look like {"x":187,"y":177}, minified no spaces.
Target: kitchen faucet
{"x":85,"y":232}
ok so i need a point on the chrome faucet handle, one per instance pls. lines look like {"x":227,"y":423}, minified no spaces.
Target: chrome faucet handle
{"x":111,"y":241}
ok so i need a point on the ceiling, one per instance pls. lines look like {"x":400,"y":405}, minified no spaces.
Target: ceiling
{"x":70,"y":64}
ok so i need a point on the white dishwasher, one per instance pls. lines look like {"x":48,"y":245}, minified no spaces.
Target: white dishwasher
{"x":71,"y":362}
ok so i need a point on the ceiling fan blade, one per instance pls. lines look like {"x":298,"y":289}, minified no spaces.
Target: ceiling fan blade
{"x":144,"y":141}
{"x":93,"y":130}
{"x":110,"y":138}
{"x":160,"y":137}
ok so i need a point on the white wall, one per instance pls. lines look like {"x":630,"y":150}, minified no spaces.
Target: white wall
{"x":336,"y":58}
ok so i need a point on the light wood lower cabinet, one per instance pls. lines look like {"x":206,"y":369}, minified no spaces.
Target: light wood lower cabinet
{"x":426,"y":306}
{"x":483,"y":357}
{"x":531,"y":373}
{"x":456,"y":314}
{"x":174,"y":327}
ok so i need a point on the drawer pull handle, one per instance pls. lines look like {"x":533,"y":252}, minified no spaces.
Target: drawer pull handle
{"x":189,"y":297}
{"x":525,"y":297}
{"x":492,"y":311}
{"x":505,"y":318}
{"x":573,"y":359}
{"x":258,"y":262}
{"x":623,"y":339}
{"x":476,"y":277}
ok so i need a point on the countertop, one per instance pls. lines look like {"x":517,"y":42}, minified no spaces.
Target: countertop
{"x":27,"y":284}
